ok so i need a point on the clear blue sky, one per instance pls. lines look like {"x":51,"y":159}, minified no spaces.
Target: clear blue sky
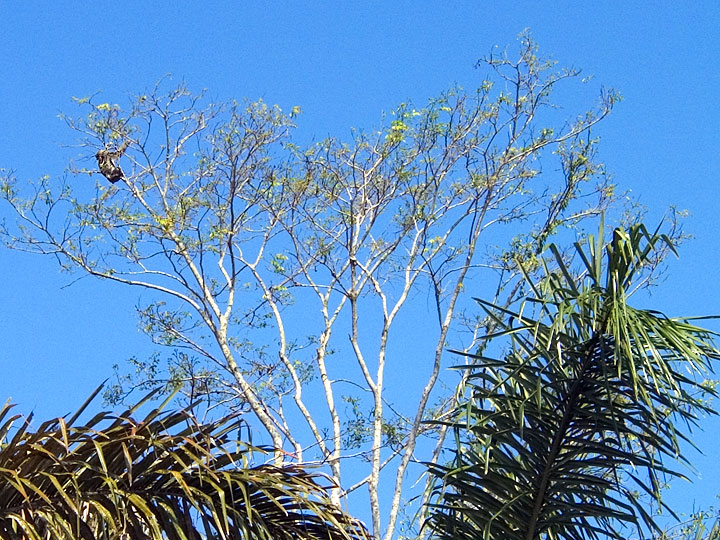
{"x":343,"y":63}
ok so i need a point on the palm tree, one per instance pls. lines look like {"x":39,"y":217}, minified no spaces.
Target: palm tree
{"x":165,"y":476}
{"x":572,"y":430}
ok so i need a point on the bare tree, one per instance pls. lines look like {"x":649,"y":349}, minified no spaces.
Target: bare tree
{"x":292,"y":282}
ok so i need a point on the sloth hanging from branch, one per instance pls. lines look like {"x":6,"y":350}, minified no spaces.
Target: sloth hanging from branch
{"x":107,"y":162}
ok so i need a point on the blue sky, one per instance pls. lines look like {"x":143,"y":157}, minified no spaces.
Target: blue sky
{"x":343,"y":63}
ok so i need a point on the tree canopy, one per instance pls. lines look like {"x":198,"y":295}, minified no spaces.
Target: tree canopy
{"x":313,"y":289}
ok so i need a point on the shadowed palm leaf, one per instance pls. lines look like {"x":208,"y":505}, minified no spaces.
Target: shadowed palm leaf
{"x":581,"y":416}
{"x":166,"y":476}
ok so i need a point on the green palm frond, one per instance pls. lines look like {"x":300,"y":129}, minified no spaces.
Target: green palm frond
{"x":165,"y":476}
{"x":582,"y":419}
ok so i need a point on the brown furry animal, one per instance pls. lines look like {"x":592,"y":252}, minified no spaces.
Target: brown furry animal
{"x":106,"y":162}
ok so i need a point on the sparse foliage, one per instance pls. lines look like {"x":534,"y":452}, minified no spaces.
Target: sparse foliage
{"x":286,"y":276}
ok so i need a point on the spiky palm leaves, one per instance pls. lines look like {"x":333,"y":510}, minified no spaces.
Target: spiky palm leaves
{"x":561,"y":436}
{"x":166,"y":476}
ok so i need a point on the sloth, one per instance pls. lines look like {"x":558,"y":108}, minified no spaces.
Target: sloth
{"x":106,"y":163}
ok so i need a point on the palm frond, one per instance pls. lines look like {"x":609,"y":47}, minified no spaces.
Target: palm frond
{"x":165,"y":476}
{"x":582,"y":419}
